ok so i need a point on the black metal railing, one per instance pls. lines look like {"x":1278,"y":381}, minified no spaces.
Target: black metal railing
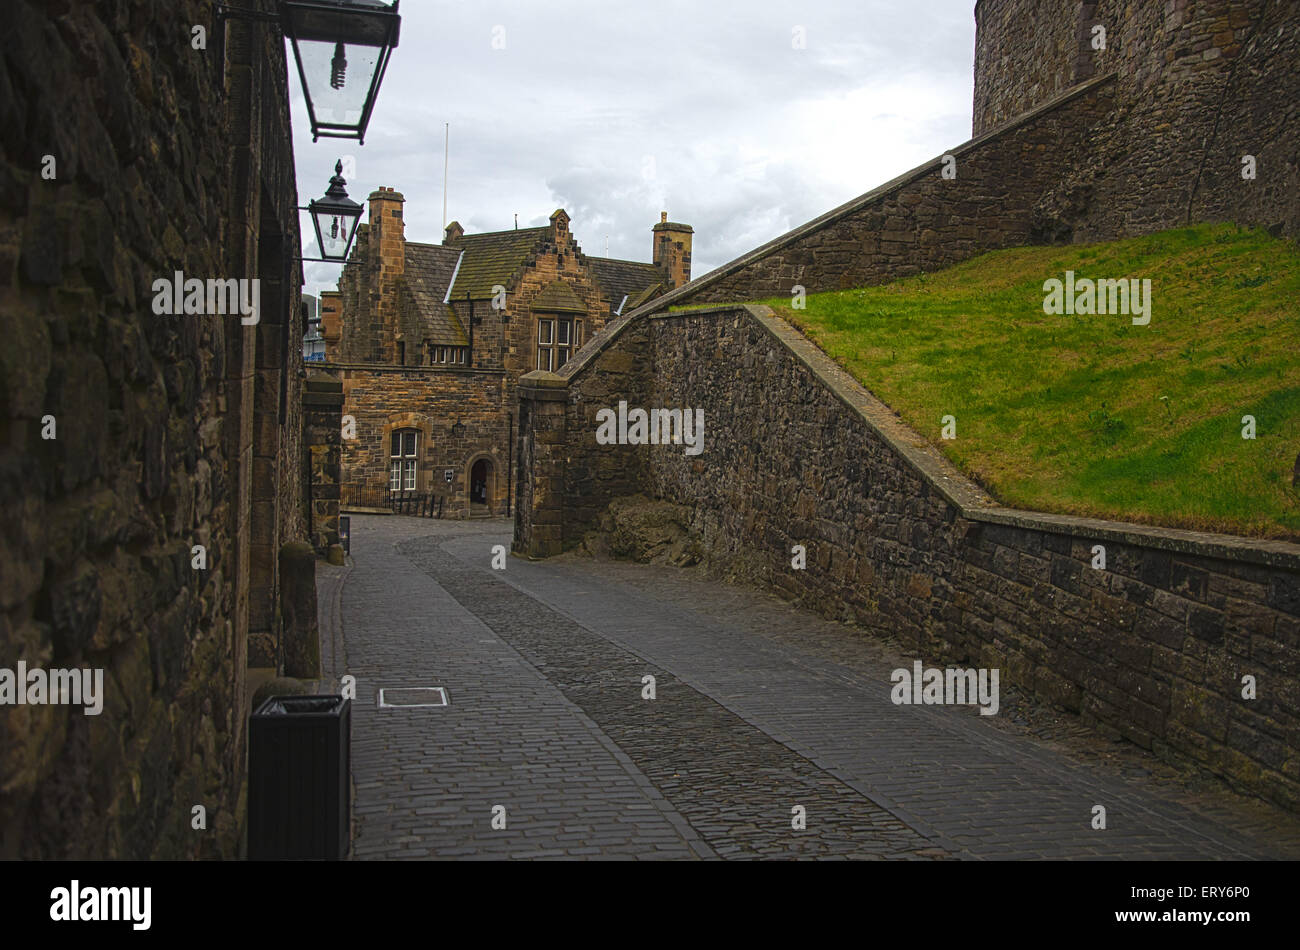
{"x":418,"y":504}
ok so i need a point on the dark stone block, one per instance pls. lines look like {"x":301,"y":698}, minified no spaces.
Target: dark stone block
{"x":298,"y":609}
{"x":74,"y":605}
{"x":1188,"y":581}
{"x":1067,"y":574}
{"x":1154,"y":569}
{"x":169,"y":635}
{"x":42,"y":250}
{"x":1284,"y":593}
{"x":1205,"y":624}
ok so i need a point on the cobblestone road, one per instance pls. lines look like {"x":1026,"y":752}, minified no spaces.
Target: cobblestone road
{"x":760,"y":710}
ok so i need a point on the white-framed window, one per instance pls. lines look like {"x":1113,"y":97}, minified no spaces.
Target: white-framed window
{"x":402,"y":462}
{"x":439,"y":355}
{"x":557,"y":338}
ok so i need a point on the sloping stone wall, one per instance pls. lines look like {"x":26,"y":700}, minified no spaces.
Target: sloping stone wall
{"x":1152,"y":648}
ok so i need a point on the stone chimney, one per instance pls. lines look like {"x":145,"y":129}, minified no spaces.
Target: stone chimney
{"x":672,"y":250}
{"x":331,"y":322}
{"x":388,"y":231}
{"x":387,"y":262}
{"x":453,"y":233}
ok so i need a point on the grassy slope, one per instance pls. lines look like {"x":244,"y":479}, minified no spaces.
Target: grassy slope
{"x":1092,"y":415}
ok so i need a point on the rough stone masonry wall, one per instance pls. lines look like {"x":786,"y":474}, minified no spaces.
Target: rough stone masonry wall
{"x":1199,"y":84}
{"x":323,"y":411}
{"x":1153,"y":648}
{"x":565,"y":480}
{"x":155,"y":172}
{"x":1026,"y":52}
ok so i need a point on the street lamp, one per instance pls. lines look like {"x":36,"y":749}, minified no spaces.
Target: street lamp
{"x":335,"y":218}
{"x":342,"y":49}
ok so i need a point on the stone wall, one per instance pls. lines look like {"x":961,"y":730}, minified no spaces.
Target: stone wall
{"x":154,"y":449}
{"x":556,"y":417}
{"x":1199,"y":84}
{"x":1152,"y":648}
{"x":1027,"y":52}
{"x":323,"y":417}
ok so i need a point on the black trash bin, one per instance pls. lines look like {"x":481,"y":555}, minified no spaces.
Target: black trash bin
{"x":299,"y":791}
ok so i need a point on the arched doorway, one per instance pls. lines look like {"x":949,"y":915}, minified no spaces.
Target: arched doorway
{"x":480,"y":481}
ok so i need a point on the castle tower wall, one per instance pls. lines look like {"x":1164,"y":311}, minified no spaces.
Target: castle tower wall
{"x":1199,"y":85}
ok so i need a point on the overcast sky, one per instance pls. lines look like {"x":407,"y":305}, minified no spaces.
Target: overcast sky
{"x":616,"y":111}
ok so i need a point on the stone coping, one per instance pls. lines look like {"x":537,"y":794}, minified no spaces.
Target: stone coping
{"x":543,"y":385}
{"x":970,"y":500}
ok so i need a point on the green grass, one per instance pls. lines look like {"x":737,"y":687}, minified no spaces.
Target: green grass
{"x":1089,"y":414}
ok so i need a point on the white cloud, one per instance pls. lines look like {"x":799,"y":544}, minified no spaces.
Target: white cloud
{"x":748,"y":136}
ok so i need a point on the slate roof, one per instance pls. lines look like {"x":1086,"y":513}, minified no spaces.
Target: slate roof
{"x":422,"y":313}
{"x":622,"y":278}
{"x":493,"y":258}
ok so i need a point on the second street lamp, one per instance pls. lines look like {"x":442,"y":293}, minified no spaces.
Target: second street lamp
{"x":335,"y":218}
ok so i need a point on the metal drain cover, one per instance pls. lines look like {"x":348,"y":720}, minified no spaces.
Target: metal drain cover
{"x":412,"y":697}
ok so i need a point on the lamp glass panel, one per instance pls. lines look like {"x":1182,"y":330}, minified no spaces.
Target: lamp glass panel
{"x":334,"y":232}
{"x":339,"y":76}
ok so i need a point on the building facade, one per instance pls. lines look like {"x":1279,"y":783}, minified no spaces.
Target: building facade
{"x":429,"y":341}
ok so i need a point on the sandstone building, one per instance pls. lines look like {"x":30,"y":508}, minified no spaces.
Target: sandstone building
{"x":429,"y":340}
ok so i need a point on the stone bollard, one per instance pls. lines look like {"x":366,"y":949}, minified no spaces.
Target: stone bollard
{"x":298,"y":611}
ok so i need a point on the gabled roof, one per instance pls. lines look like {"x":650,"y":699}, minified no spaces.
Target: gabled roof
{"x":621,"y":279}
{"x":429,"y":269}
{"x":493,"y":258}
{"x":558,"y":297}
